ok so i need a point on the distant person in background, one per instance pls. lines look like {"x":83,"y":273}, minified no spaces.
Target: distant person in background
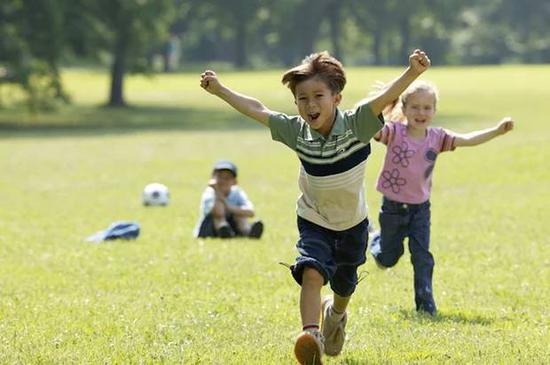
{"x":225,"y":209}
{"x":333,"y":147}
{"x":406,"y":181}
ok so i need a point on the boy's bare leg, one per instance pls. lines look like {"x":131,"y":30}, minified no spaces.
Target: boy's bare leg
{"x":340,"y":303}
{"x":309,"y":347}
{"x":242,"y":225}
{"x":310,"y":296}
{"x":218,"y":214}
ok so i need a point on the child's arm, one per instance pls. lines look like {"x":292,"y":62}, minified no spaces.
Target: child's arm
{"x":239,"y":211}
{"x":418,"y":63}
{"x":482,"y":136}
{"x":245,"y":104}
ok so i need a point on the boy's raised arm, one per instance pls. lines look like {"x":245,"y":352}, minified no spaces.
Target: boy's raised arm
{"x":247,"y":105}
{"x":418,"y":63}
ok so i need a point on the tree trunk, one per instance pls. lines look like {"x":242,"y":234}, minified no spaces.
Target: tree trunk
{"x":60,"y":93}
{"x":309,"y":22}
{"x":117,"y":72}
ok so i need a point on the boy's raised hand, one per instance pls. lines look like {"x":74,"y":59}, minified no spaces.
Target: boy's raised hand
{"x":419,"y":61}
{"x":505,"y":125}
{"x":210,"y":82}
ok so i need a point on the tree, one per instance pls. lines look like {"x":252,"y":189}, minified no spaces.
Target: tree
{"x":126,"y":29}
{"x":334,"y":15}
{"x":375,"y":18}
{"x":31,"y":45}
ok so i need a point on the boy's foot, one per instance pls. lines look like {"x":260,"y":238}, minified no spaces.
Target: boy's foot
{"x":333,"y":329}
{"x":225,"y":232}
{"x":256,"y":229}
{"x":309,"y":348}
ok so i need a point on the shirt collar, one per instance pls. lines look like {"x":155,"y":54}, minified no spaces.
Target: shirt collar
{"x":338,"y":128}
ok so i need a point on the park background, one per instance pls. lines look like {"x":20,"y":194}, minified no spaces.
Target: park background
{"x":99,"y":98}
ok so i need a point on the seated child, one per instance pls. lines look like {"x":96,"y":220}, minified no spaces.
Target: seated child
{"x":225,"y":208}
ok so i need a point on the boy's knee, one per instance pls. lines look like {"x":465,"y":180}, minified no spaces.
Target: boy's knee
{"x":218,"y":213}
{"x":312,"y":276}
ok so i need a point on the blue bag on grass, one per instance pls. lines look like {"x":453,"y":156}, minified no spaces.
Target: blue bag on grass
{"x":118,"y":230}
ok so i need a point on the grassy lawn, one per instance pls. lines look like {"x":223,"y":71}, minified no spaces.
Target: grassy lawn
{"x":168,"y":298}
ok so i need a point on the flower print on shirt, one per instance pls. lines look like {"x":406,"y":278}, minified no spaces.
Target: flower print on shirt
{"x":401,"y":154}
{"x":392,"y":180}
{"x":430,"y":155}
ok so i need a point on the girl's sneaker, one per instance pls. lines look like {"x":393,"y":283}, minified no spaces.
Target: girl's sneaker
{"x":309,"y":348}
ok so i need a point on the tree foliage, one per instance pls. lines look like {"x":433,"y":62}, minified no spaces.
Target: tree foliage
{"x":37,"y":36}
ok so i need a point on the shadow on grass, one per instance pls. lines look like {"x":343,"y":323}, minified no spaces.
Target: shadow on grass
{"x":88,"y":121}
{"x":460,"y":318}
{"x":78,"y":120}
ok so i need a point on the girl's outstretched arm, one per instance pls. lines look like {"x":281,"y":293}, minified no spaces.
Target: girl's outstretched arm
{"x":246,"y":105}
{"x":482,"y":136}
{"x":418,"y":63}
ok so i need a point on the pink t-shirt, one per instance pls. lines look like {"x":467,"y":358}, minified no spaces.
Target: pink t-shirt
{"x":406,"y":176}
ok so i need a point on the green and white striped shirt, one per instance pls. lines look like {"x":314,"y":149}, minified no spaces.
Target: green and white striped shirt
{"x":332,"y":168}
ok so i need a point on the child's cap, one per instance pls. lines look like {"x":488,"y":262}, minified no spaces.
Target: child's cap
{"x":225,"y":165}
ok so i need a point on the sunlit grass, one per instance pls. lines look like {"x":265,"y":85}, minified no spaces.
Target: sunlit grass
{"x":168,"y":298}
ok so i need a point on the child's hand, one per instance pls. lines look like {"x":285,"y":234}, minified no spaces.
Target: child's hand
{"x":419,"y":61}
{"x":210,"y":82}
{"x":505,"y":125}
{"x":213,"y":183}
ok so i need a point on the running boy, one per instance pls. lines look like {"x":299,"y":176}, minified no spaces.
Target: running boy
{"x":406,"y":180}
{"x":333,"y":147}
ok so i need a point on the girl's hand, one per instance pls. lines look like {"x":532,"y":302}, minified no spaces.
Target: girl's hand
{"x":210,"y":82}
{"x":419,"y":61}
{"x":505,"y":125}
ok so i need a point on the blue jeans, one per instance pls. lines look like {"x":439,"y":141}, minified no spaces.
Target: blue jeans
{"x":334,"y":254}
{"x":398,"y":221}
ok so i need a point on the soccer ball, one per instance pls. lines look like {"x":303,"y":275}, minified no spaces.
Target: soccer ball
{"x":155,"y":194}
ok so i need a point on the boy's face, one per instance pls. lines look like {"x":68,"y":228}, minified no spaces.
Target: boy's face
{"x":223,"y":180}
{"x":317,"y":104}
{"x":419,"y":109}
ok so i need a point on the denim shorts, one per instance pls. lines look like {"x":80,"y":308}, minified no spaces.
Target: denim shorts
{"x":335,"y":254}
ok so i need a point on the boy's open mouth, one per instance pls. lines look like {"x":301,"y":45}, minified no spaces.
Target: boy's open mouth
{"x":313,"y":116}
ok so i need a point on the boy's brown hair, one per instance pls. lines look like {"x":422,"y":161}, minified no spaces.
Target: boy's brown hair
{"x":321,"y":65}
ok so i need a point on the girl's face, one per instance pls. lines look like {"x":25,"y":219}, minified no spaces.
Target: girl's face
{"x":419,"y":109}
{"x":317,"y":104}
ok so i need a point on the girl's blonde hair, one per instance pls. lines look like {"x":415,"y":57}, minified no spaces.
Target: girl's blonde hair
{"x":394,"y":111}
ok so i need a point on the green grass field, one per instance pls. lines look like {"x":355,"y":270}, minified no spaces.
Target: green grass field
{"x":168,"y":298}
